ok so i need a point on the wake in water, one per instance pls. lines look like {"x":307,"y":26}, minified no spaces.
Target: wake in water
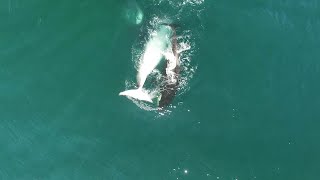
{"x":148,"y":57}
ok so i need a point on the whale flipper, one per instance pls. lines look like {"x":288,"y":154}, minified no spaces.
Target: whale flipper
{"x":138,"y":94}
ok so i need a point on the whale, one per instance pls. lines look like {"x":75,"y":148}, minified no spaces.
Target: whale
{"x":133,"y":12}
{"x":171,"y":73}
{"x":151,"y":57}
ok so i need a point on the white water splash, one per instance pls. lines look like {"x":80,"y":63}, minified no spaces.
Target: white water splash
{"x":180,"y":2}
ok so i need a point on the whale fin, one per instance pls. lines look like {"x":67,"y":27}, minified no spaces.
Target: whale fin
{"x":138,"y":94}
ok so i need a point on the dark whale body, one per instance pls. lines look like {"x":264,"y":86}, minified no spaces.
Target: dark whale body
{"x":171,"y":76}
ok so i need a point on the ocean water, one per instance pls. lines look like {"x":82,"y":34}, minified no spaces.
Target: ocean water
{"x":248,"y":108}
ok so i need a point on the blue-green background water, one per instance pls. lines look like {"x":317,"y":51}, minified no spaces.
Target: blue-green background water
{"x":251,"y":112}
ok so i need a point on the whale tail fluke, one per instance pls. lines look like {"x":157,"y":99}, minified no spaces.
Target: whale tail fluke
{"x":138,"y":94}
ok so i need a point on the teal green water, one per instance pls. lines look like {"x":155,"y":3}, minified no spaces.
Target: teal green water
{"x":251,"y":111}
